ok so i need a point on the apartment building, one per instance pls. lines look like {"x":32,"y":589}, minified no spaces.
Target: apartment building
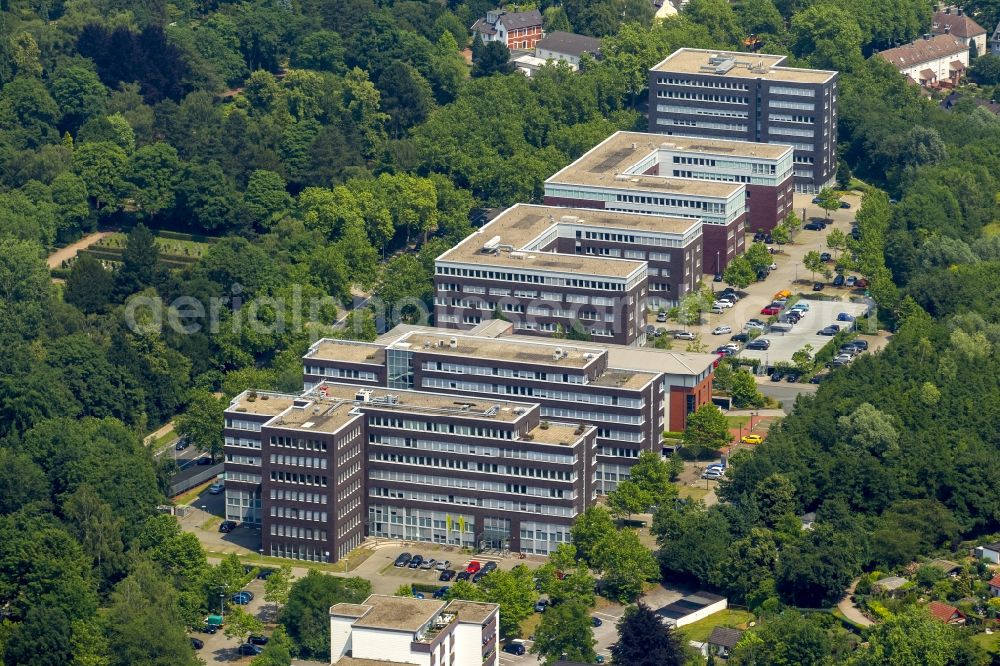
{"x":608,"y":178}
{"x":389,"y":631}
{"x":750,"y":97}
{"x":933,"y":61}
{"x":631,"y":395}
{"x":341,"y":461}
{"x":548,"y":269}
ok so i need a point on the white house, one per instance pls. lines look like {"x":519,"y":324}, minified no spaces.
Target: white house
{"x":953,"y":21}
{"x":932,"y":61}
{"x":990,"y":551}
{"x":423,"y":632}
{"x":567,"y":46}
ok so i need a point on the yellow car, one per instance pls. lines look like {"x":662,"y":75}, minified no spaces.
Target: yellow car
{"x":752,"y":439}
{"x":784,"y":293}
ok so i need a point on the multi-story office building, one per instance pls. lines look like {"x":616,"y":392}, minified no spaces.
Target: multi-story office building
{"x":546,"y":269}
{"x":391,"y":631}
{"x":630,"y":394}
{"x":340,"y":461}
{"x":609,"y":179}
{"x":750,"y":97}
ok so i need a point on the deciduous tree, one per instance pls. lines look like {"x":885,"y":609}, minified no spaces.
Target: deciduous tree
{"x":644,"y":640}
{"x":565,"y":633}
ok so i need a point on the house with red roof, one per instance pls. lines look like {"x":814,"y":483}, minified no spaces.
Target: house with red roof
{"x":954,"y":21}
{"x":945,"y":613}
{"x":995,"y":586}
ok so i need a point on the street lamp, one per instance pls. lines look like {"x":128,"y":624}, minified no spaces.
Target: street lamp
{"x":261,"y":551}
{"x":717,"y":264}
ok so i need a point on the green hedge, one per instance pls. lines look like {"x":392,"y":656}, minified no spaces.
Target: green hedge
{"x":176,"y":235}
{"x":672,"y":434}
{"x":61,"y":273}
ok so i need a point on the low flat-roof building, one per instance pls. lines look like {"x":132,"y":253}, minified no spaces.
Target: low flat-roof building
{"x":320,"y":470}
{"x":631,"y":395}
{"x":691,"y":608}
{"x":388,"y":631}
{"x":749,"y":97}
{"x":550,"y":270}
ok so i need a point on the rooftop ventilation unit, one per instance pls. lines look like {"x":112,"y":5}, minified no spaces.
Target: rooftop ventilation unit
{"x":364,"y":395}
{"x":724,"y":66}
{"x":517,"y":255}
{"x":558,"y":353}
{"x":453,"y":343}
{"x":301,"y":403}
{"x":492,"y":244}
{"x":568,"y":219}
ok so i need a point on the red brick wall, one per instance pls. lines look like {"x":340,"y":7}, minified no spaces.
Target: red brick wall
{"x":572,"y":203}
{"x":715,"y":238}
{"x":768,"y":205}
{"x":526,"y":39}
{"x":677,"y":412}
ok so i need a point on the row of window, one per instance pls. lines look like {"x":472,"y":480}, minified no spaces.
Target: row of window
{"x":702,"y":124}
{"x":503,"y":276}
{"x":467,"y":484}
{"x":295,"y":477}
{"x":459,"y":500}
{"x":540,"y":392}
{"x":726,"y":84}
{"x":297,"y":532}
{"x":296,"y":513}
{"x":298,"y":443}
{"x":703,"y":111}
{"x":473,"y":466}
{"x":298,"y":461}
{"x":298,"y":496}
{"x":493,"y":371}
{"x":430,"y":426}
{"x":344,"y":373}
{"x":469,"y":449}
{"x":346,"y":490}
{"x":790,"y":118}
{"x":592,"y":417}
{"x":791,"y":131}
{"x":242,"y":442}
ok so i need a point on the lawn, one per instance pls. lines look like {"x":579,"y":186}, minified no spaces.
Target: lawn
{"x":530,"y":624}
{"x":691,"y":492}
{"x":702,"y":629}
{"x":737,"y":421}
{"x":989,"y":642}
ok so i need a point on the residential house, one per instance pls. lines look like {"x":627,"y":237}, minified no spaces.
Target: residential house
{"x":995,"y":586}
{"x":989,"y":551}
{"x":891,"y":585}
{"x":945,"y":613}
{"x":517,"y":30}
{"x":953,"y":21}
{"x":567,"y":46}
{"x":995,"y":41}
{"x":722,"y":640}
{"x":933,"y":61}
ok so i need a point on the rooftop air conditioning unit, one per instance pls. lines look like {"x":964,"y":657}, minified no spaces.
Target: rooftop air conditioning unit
{"x":364,"y":395}
{"x":453,"y":343}
{"x":558,"y":353}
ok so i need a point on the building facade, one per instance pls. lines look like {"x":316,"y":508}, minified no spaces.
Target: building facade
{"x":630,"y":395}
{"x":516,"y":30}
{"x":424,"y":632}
{"x":750,"y":97}
{"x":341,"y":461}
{"x":955,"y":22}
{"x":549,"y":270}
{"x":933,"y":61}
{"x":567,"y":47}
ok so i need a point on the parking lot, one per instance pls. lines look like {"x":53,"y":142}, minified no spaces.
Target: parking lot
{"x":218,"y":648}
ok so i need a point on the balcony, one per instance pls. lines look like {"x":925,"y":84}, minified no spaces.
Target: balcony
{"x":426,"y":637}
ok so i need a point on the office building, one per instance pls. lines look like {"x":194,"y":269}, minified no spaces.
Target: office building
{"x":750,"y":97}
{"x":631,"y":395}
{"x":548,"y":269}
{"x":340,"y":461}
{"x":391,"y":631}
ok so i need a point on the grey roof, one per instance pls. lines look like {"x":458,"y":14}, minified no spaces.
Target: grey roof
{"x":891,"y":583}
{"x":569,"y":43}
{"x":518,"y":20}
{"x":725,"y":637}
{"x":689,"y":604}
{"x":959,"y":24}
{"x":995,"y":546}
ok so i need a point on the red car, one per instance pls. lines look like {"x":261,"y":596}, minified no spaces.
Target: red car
{"x":770,"y":310}
{"x":473,"y":567}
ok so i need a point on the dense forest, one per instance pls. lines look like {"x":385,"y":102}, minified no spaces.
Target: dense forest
{"x":337,"y":147}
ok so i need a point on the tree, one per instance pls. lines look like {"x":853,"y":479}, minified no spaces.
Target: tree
{"x":589,"y":529}
{"x":760,"y":17}
{"x":739,"y":273}
{"x":490,"y":58}
{"x":322,"y":50}
{"x":625,"y":564}
{"x":405,"y":590}
{"x":653,"y":476}
{"x":844,"y":175}
{"x":79,"y":93}
{"x":306,"y":616}
{"x":514,"y":591}
{"x":89,"y":287}
{"x":790,"y":638}
{"x":265,"y":198}
{"x":759,"y":257}
{"x":154,"y":174}
{"x":140,"y":268}
{"x":754,"y":556}
{"x":836,"y":240}
{"x":406,"y":97}
{"x":828,"y":200}
{"x":829,"y":36}
{"x":775,"y":498}
{"x":22,"y":482}
{"x":803,"y":359}
{"x":565,"y":633}
{"x":102,"y":166}
{"x":201,"y":423}
{"x":406,"y":288}
{"x":781,"y":235}
{"x":628,"y":498}
{"x":240,"y":624}
{"x":278,"y":585}
{"x":912,"y":637}
{"x":743,"y":390}
{"x":98,"y":530}
{"x":707,"y":430}
{"x":814,"y":263}
{"x":643,"y":640}
{"x":277,"y":652}
{"x":868,"y":429}
{"x":817,"y":568}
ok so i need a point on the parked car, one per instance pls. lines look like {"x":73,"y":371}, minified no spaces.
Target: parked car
{"x":793,"y":317}
{"x":596,"y":621}
{"x":210,"y":629}
{"x":416,"y":561}
{"x":755,"y":323}
{"x":403,"y":560}
{"x":541,"y":605}
{"x":684,"y":335}
{"x":777,"y":376}
{"x":463,"y":575}
{"x":441,"y":591}
{"x":760,"y":344}
{"x":216,"y":488}
{"x":258,"y":639}
{"x":489,"y":566}
{"x":197,"y":643}
{"x":801,"y":305}
{"x":227,"y":526}
{"x":661,"y":317}
{"x":478,"y":576}
{"x":770,"y":310}
{"x":729,"y":296}
{"x":249,"y":650}
{"x":443,"y":564}
{"x":740,"y":337}
{"x":814,"y":226}
{"x":204,"y":460}
{"x":717,"y":309}
{"x":181,"y":444}
{"x":860,"y":344}
{"x":447,"y":575}
{"x":861,"y":283}
{"x":717,"y":277}
{"x":784,"y":293}
{"x":851,"y":281}
{"x":845,"y":316}
{"x":722,"y":304}
{"x":473,"y":566}
{"x":428,"y":564}
{"x":242,"y":598}
{"x":724,"y":351}
{"x":816,"y":379}
{"x":792,"y":377}
{"x":838,"y":281}
{"x":712,"y":474}
{"x":264,"y":574}
{"x":759,"y":237}
{"x":826,"y":256}
{"x":817,"y":286}
{"x":514,"y":648}
{"x":832,"y":329}
{"x":845,"y":205}
{"x":721,"y":330}
{"x":751,"y":439}
{"x":649,"y":329}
